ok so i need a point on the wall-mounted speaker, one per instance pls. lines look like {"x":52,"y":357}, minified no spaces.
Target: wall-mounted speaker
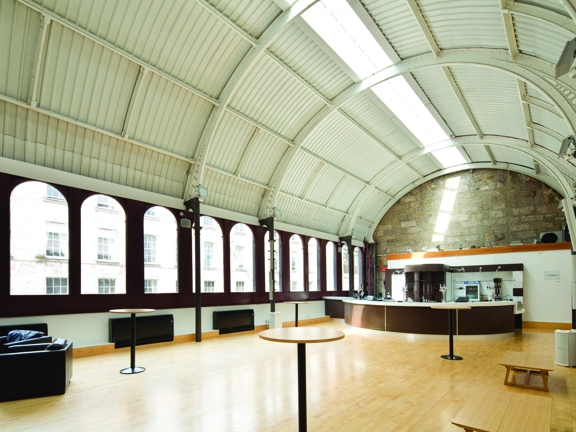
{"x":185,"y":223}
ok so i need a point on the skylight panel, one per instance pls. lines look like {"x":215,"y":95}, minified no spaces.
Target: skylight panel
{"x":339,"y":26}
{"x":337,"y":23}
{"x":397,"y":94}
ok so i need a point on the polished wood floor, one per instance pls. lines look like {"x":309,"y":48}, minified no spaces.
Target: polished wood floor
{"x":368,"y":381}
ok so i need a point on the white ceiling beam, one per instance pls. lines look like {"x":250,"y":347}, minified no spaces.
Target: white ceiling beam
{"x":136,"y":90}
{"x":490,"y":154}
{"x":335,"y":191}
{"x":311,"y":179}
{"x":38,"y":56}
{"x":462,"y":101}
{"x":236,"y":177}
{"x":541,"y":104}
{"x":423,"y":25}
{"x":509,"y":31}
{"x":536,"y":167}
{"x":525,"y":111}
{"x":229,"y":23}
{"x":541,"y":14}
{"x":315,"y":204}
{"x":548,"y":131}
{"x":260,"y":126}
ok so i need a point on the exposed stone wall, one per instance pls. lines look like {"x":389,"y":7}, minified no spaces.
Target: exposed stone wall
{"x":491,"y":208}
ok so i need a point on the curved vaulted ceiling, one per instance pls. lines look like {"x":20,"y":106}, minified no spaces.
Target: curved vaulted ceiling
{"x":245,"y":99}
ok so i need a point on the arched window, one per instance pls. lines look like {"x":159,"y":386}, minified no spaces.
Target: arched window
{"x":160,"y":251}
{"x":241,"y":259}
{"x":211,"y":255}
{"x":345,"y":268}
{"x":331,"y":267}
{"x":313,"y":273}
{"x":296,"y":264}
{"x":357,"y":267}
{"x":38,"y":240}
{"x":103,"y":246}
{"x":277,"y":263}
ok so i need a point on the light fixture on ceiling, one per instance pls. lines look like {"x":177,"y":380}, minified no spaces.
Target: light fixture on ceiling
{"x":202,"y":192}
{"x":566,"y":59}
{"x":276,"y":213}
{"x":568,"y":148}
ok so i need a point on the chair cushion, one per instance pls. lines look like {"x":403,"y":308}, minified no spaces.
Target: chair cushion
{"x":20,"y":335}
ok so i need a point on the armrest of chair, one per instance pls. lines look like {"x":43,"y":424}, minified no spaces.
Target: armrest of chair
{"x":39,"y":340}
{"x":27,"y":347}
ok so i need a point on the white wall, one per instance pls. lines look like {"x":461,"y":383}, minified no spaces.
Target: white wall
{"x":544,"y":300}
{"x":92,"y":329}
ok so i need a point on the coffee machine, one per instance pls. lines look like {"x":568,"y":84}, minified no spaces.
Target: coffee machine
{"x":497,"y":289}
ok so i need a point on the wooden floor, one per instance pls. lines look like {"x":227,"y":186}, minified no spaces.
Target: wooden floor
{"x":369,"y":381}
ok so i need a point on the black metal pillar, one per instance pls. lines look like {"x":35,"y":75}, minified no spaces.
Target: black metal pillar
{"x":194,"y":205}
{"x":269,"y":224}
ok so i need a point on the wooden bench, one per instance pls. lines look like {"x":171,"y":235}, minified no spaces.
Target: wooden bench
{"x":527,"y":363}
{"x":490,"y":410}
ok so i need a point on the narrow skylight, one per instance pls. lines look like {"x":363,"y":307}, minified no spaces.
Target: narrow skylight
{"x":337,"y":23}
{"x":397,"y":94}
{"x":339,"y":26}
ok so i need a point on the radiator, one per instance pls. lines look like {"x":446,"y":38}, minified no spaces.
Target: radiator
{"x":231,"y":321}
{"x":149,"y":330}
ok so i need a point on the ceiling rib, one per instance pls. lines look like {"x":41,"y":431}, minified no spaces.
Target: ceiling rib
{"x":40,"y":47}
{"x":525,"y":111}
{"x":133,"y":98}
{"x":463,"y":104}
{"x":509,"y":32}
{"x":246,"y":152}
{"x":311,"y":178}
{"x":490,"y":154}
{"x":424,"y":27}
{"x":229,"y":23}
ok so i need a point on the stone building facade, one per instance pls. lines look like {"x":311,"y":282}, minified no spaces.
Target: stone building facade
{"x":480,"y":208}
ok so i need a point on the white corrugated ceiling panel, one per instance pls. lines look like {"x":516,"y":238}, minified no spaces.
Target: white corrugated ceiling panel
{"x":344,"y":195}
{"x":325,"y":184}
{"x":232,"y":194}
{"x":307,"y":215}
{"x":535,"y":93}
{"x":338,"y":141}
{"x":504,"y":154}
{"x":493,"y":99}
{"x":85,"y":81}
{"x":169,"y":117}
{"x":553,"y":5}
{"x":425,"y":165}
{"x":262,"y":158}
{"x":252,"y":16}
{"x":298,"y":173}
{"x":477,"y":152}
{"x":230,"y":142}
{"x":176,"y":36}
{"x":310,"y":62}
{"x":539,"y":39}
{"x":396,"y":182}
{"x":464,"y":23}
{"x":57,"y":144}
{"x":398,"y":26}
{"x":275,"y":99}
{"x":549,"y":120}
{"x":548,"y":142}
{"x":19,"y":28}
{"x":368,"y":114}
{"x":435,"y":84}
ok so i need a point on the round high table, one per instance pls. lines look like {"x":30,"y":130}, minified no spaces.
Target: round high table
{"x":297,"y":303}
{"x":451,"y":307}
{"x":301,"y":336}
{"x":132,"y":369}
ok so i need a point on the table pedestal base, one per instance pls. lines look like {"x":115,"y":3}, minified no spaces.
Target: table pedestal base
{"x":451,"y":357}
{"x":132,"y":370}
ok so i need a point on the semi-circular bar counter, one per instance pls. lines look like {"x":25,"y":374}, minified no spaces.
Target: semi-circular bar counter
{"x":484,"y":318}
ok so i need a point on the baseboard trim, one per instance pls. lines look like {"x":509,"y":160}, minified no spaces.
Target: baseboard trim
{"x":212,"y":334}
{"x":547,"y":325}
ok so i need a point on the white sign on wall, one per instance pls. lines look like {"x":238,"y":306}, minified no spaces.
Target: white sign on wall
{"x":552,"y":275}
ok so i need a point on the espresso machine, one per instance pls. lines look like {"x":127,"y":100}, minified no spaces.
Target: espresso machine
{"x":497,"y":289}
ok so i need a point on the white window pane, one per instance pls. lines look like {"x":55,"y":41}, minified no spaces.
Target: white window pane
{"x":296,"y":264}
{"x":242,"y":259}
{"x":160,"y":251}
{"x":38,"y":240}
{"x":103,"y":246}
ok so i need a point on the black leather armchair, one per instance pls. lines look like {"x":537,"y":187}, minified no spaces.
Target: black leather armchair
{"x":34,"y":369}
